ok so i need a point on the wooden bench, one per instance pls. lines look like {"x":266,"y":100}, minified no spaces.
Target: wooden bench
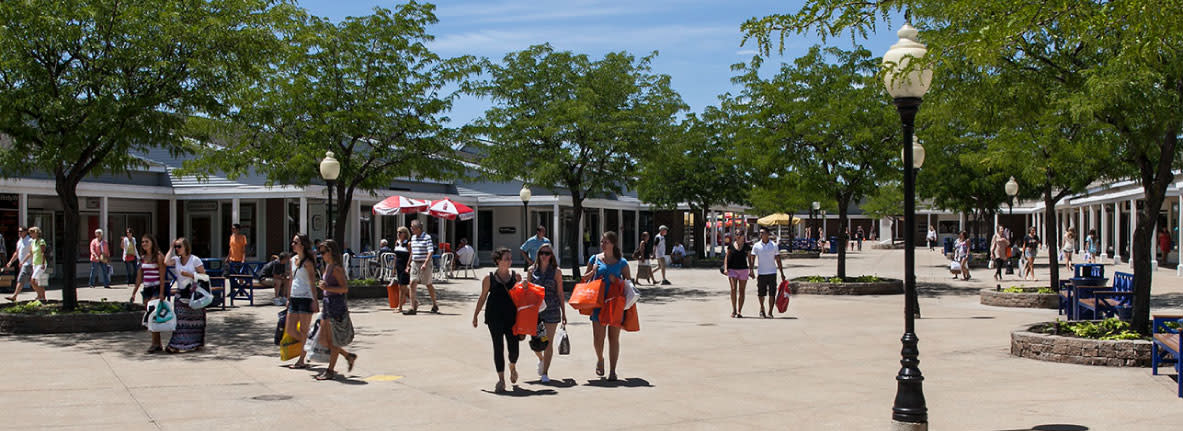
{"x":1165,"y":347}
{"x":1117,"y":301}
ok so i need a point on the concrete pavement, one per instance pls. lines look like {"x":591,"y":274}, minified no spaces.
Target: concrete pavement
{"x":829,"y":363}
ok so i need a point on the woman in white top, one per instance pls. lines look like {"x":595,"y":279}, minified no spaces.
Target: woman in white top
{"x":190,"y":333}
{"x":1069,"y":247}
{"x":301,"y":299}
{"x":130,"y":255}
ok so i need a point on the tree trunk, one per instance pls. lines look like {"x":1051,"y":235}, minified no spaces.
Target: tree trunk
{"x":1052,"y":232}
{"x":342,"y":200}
{"x":1155,"y":179}
{"x":66,"y":253}
{"x":700,"y":216}
{"x":842,"y":238}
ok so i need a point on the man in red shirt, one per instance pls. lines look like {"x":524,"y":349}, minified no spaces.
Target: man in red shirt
{"x":100,"y":254}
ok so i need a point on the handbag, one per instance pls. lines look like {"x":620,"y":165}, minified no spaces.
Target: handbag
{"x":783,"y":292}
{"x":564,"y":343}
{"x":200,"y":297}
{"x":631,"y":294}
{"x":632,"y":322}
{"x":587,"y":296}
{"x":279,"y":328}
{"x":312,"y":346}
{"x":162,"y":318}
{"x":954,"y":267}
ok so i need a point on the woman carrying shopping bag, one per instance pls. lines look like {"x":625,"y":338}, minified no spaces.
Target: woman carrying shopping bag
{"x":149,"y":280}
{"x":547,"y":274}
{"x":336,"y":328}
{"x":500,"y":315}
{"x":611,"y":267}
{"x":301,"y":299}
{"x":190,"y":333}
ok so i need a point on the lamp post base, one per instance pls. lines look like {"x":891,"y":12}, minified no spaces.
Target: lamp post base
{"x":908,"y":426}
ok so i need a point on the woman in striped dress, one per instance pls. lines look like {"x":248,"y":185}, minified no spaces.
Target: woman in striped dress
{"x":190,"y":333}
{"x":149,"y":279}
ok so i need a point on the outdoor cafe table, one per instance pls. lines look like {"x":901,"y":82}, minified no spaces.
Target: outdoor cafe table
{"x":363,"y":264}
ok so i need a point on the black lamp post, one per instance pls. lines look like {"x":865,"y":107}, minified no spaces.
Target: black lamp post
{"x":812,"y":210}
{"x":329,"y":170}
{"x":525,"y":195}
{"x":909,"y":411}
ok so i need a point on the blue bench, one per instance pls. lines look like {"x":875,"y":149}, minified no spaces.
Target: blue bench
{"x":1165,"y":347}
{"x":1085,"y":274}
{"x":1118,"y":301}
{"x":809,"y":244}
{"x":217,"y":288}
{"x":240,"y":281}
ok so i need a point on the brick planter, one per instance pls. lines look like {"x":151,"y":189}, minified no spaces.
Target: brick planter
{"x":1020,"y":300}
{"x":1081,"y":351}
{"x":14,"y":323}
{"x":885,"y":287}
{"x":801,"y":255}
{"x":368,"y":292}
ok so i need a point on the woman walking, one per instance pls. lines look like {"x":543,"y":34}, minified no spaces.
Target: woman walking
{"x":130,"y":255}
{"x":546,"y":273}
{"x":1092,"y":247}
{"x":642,"y":256}
{"x":931,"y":237}
{"x":611,"y":267}
{"x":37,"y":248}
{"x":402,"y":266}
{"x":737,"y":264}
{"x":1030,"y":250}
{"x":1069,"y":247}
{"x":301,"y":299}
{"x":190,"y":333}
{"x":148,"y":278}
{"x":336,"y":328}
{"x":500,"y":315}
{"x":998,"y":248}
{"x":961,"y":254}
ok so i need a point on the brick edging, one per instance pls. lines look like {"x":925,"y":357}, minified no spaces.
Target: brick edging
{"x":1019,"y":300}
{"x":885,"y":287}
{"x":1081,"y":351}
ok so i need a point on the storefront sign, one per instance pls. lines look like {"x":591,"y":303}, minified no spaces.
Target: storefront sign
{"x":9,"y":201}
{"x":507,"y":229}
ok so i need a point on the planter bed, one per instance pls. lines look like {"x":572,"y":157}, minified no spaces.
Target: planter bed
{"x":801,"y":255}
{"x":1029,"y":342}
{"x":47,"y":321}
{"x":880,"y":287}
{"x":368,"y":291}
{"x":1029,"y":299}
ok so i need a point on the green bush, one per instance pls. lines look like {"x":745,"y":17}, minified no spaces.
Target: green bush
{"x":1108,"y":329}
{"x":363,"y":282}
{"x":54,"y":308}
{"x":1017,"y":289}
{"x":823,"y":279}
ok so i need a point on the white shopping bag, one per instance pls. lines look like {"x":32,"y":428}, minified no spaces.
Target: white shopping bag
{"x":160,"y":316}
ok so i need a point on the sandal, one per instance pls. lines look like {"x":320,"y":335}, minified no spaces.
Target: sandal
{"x":513,"y":375}
{"x":738,"y":316}
{"x":435,"y":309}
{"x":762,"y":315}
{"x":299,"y":366}
{"x":600,"y":368}
{"x":327,"y":375}
{"x":732,"y":314}
{"x":409,"y":313}
{"x":155,"y":349}
{"x":499,"y":387}
{"x":349,"y":359}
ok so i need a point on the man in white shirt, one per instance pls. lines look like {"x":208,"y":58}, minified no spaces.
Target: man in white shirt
{"x":465,"y":253}
{"x":678,"y":254}
{"x":24,"y":257}
{"x":659,"y":251}
{"x":767,"y":265}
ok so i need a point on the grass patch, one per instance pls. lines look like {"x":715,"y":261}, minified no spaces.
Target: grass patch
{"x":363,"y":282}
{"x":823,"y":279}
{"x":1108,"y":329}
{"x":1017,"y":289}
{"x":84,"y":307}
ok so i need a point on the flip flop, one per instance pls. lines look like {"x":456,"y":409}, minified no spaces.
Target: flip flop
{"x":327,"y":375}
{"x":600,"y":368}
{"x":298,"y":366}
{"x":349,"y":359}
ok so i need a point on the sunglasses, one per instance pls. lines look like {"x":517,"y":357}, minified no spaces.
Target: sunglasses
{"x":544,"y":253}
{"x":178,"y":246}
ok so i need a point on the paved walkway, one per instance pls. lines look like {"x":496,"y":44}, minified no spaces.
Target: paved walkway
{"x":829,"y":363}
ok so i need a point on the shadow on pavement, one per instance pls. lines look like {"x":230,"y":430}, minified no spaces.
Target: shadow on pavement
{"x":1166,"y":300}
{"x":518,"y":391}
{"x":631,"y":382}
{"x":1054,"y":427}
{"x":931,"y":290}
{"x":663,"y":295}
{"x":564,"y":383}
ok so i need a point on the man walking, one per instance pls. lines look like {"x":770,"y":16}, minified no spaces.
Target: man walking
{"x":659,"y":251}
{"x":237,"y":256}
{"x":767,"y":257}
{"x":421,"y":249}
{"x":100,"y":255}
{"x":24,"y":259}
{"x":530,"y":247}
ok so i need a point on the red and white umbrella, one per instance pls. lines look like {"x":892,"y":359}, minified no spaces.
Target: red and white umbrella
{"x":446,"y":209}
{"x":400,"y":205}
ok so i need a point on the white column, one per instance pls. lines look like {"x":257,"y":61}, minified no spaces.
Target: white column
{"x":556,"y":237}
{"x":1133,"y":224}
{"x":104,"y":213}
{"x":960,"y":222}
{"x":1179,"y":239}
{"x":995,"y":224}
{"x":376,"y":224}
{"x":579,"y":237}
{"x":354,"y":226}
{"x":620,"y":223}
{"x":1117,"y":241}
{"x":926,"y":227}
{"x":172,"y":220}
{"x":235,"y":211}
{"x":22,"y":205}
{"x":1104,"y":234}
{"x":601,"y":232}
{"x":713,"y":234}
{"x":303,"y":215}
{"x":476,"y":230}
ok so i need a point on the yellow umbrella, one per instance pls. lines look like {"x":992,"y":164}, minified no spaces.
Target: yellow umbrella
{"x":778,"y":219}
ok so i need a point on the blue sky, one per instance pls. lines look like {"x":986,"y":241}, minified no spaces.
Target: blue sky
{"x":698,"y":40}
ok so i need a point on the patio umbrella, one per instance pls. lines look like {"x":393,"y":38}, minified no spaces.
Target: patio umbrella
{"x":448,"y":210}
{"x":400,"y":205}
{"x":778,"y":220}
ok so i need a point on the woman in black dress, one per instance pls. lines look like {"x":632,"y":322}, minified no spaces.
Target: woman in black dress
{"x":500,"y":315}
{"x":402,"y":269}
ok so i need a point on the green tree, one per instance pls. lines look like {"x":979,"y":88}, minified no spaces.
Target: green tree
{"x":563,"y":119}
{"x":86,"y":84}
{"x":366,"y":88}
{"x":694,"y":167}
{"x":886,"y":203}
{"x":825,"y":123}
{"x":1088,"y":69}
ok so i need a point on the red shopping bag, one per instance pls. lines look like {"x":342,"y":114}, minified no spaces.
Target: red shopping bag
{"x":587,"y":296}
{"x":632,"y":322}
{"x":782,"y":296}
{"x":528,"y":298}
{"x":612,"y":313}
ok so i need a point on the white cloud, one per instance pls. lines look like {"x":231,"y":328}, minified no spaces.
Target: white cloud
{"x":747,"y":52}
{"x":589,"y":37}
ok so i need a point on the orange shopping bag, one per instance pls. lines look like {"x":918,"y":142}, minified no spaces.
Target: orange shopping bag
{"x":632,"y":322}
{"x":528,"y":298}
{"x":392,"y":295}
{"x":612,"y":313}
{"x":587,"y":296}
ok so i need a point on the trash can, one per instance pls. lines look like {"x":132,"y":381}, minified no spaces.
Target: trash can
{"x":833,"y":244}
{"x":948,"y":246}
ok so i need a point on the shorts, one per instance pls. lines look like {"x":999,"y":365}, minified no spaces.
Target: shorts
{"x":149,"y":292}
{"x":738,"y":274}
{"x":1029,"y":254}
{"x":404,"y":278}
{"x":38,"y":272}
{"x":661,"y":260}
{"x":25,"y":276}
{"x":299,"y":305}
{"x":422,"y":276}
{"x":766,"y":285}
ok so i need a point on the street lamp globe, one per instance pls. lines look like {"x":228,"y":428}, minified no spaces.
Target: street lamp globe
{"x":917,"y":80}
{"x":1012,"y":187}
{"x":817,"y":205}
{"x":330,"y":168}
{"x":917,"y":153}
{"x":525,"y":194}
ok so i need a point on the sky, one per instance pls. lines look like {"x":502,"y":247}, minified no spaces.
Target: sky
{"x":697,"y":40}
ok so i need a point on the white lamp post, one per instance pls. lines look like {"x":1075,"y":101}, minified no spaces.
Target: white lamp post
{"x":330,"y":168}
